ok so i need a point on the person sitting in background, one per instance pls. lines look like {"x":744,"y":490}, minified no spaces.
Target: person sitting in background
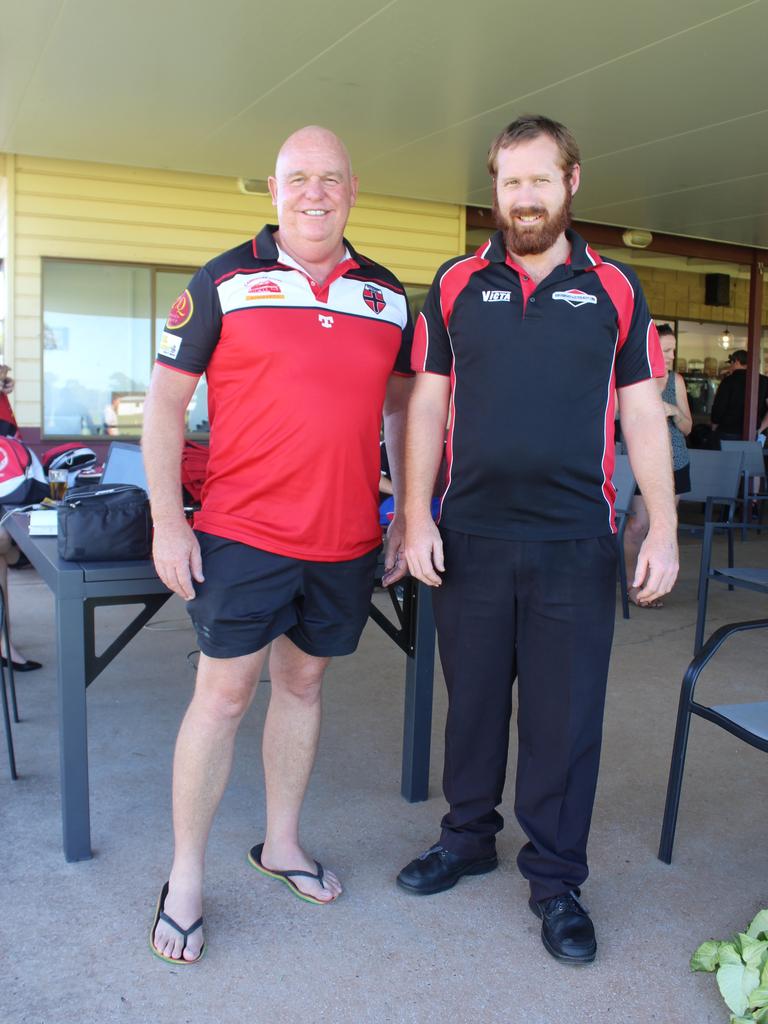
{"x":680,"y":421}
{"x":9,"y":553}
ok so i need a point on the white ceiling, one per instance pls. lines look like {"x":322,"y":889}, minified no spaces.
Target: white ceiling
{"x":667,"y":98}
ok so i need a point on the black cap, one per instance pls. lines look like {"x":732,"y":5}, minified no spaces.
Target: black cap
{"x":738,"y":356}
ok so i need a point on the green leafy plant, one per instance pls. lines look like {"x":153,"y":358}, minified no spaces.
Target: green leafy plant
{"x":741,"y":968}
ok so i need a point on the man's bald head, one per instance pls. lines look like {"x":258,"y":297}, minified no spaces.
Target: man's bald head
{"x":314,"y":137}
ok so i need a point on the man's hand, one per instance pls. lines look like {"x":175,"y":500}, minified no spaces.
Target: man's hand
{"x":657,"y":565}
{"x":424,"y":551}
{"x":176,"y":554}
{"x":395,"y":566}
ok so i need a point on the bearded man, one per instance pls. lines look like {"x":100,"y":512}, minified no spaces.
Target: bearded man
{"x":528,"y":344}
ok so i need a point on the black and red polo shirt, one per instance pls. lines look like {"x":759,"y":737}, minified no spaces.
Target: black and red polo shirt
{"x":534,"y":371}
{"x":296,"y":376}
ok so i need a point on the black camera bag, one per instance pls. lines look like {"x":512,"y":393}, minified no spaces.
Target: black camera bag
{"x":105,"y":524}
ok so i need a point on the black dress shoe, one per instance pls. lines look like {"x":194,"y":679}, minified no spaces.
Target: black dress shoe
{"x":437,"y":869}
{"x":21,"y":666}
{"x":566,"y":928}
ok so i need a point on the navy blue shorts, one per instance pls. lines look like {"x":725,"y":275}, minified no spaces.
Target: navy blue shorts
{"x":251,"y":596}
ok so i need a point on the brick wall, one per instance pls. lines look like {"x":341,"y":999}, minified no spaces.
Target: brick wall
{"x":679,"y":294}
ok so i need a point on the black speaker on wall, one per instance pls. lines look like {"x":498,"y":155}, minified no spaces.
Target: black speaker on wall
{"x":717,"y":289}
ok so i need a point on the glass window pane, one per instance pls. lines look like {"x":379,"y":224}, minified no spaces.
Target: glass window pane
{"x":97,"y":337}
{"x":169,"y":284}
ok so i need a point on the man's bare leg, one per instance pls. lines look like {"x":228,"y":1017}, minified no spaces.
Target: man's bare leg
{"x":201,"y":767}
{"x":291,"y":733}
{"x":6,"y":546}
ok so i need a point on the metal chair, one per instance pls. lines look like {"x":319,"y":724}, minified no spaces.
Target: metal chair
{"x":752,"y":468}
{"x":732,"y":576}
{"x":624,"y":485}
{"x":715,"y":475}
{"x":4,"y":692}
{"x":746,"y":721}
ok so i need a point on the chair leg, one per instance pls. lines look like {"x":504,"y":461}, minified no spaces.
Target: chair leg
{"x":729,"y":534}
{"x":703,"y":594}
{"x":744,"y":506}
{"x":7,"y":725}
{"x":677,"y":765}
{"x":11,"y":677}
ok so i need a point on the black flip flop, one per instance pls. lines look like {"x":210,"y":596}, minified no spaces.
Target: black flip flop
{"x":254,"y":859}
{"x":160,"y":915}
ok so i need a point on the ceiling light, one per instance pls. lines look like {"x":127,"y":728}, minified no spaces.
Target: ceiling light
{"x":725,"y":339}
{"x":253,"y":186}
{"x":636,"y":238}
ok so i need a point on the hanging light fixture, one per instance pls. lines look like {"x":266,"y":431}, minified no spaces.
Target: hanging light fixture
{"x":725,"y":339}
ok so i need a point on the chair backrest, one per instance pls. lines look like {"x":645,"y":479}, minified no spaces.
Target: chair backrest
{"x":624,"y":483}
{"x":714,"y":474}
{"x":754,"y":463}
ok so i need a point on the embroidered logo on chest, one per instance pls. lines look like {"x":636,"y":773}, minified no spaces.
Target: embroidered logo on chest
{"x":576,"y":297}
{"x":373,"y":297}
{"x":491,"y":296}
{"x":325,"y":321}
{"x":264,"y":289}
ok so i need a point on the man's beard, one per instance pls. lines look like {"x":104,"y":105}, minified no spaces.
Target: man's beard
{"x":536,"y":238}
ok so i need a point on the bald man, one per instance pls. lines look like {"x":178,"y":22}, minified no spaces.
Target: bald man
{"x":304,"y":343}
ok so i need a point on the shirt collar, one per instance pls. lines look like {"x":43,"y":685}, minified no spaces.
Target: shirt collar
{"x":266,"y":248}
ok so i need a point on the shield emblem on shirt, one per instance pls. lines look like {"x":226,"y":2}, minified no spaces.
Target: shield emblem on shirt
{"x":373,"y":297}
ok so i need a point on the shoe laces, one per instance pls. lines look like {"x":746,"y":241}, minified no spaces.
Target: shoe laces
{"x":437,"y":848}
{"x":568,"y":902}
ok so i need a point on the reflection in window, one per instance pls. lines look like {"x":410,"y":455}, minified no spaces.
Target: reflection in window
{"x":96,"y":352}
{"x":101,"y":323}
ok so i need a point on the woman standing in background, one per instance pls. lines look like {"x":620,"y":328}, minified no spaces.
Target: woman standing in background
{"x":675,"y":399}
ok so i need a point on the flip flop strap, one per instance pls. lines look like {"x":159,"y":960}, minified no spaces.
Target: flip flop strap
{"x":306,"y":874}
{"x":184,"y":932}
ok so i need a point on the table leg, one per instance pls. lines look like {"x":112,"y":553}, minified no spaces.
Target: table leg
{"x":73,"y":728}
{"x":419,"y":676}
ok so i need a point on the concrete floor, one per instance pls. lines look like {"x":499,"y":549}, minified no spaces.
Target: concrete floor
{"x":73,"y":937}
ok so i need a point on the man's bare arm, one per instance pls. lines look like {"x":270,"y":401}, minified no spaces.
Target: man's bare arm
{"x":425,"y":432}
{"x":175,"y":549}
{"x":645,"y":432}
{"x":395,"y":408}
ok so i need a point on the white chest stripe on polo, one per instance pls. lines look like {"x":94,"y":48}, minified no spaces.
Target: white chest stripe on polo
{"x":290,"y":288}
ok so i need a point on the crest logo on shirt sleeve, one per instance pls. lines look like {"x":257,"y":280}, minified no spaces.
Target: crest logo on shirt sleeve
{"x":576,"y":297}
{"x":181,"y":311}
{"x":373,"y":297}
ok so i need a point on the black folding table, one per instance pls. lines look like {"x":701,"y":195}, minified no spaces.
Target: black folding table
{"x":81,"y":587}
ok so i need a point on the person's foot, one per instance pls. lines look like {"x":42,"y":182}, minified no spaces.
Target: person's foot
{"x":437,"y":869}
{"x":632,"y":593}
{"x":278,"y":858}
{"x":185,"y":906}
{"x":566,"y":928}
{"x":20,"y":663}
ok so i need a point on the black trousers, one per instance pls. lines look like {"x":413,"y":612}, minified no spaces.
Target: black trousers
{"x":543,"y":612}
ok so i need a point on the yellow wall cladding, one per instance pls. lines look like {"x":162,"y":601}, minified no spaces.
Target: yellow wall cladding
{"x":76,"y":210}
{"x":679,"y":294}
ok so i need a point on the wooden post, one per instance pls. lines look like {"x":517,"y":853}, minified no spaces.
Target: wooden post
{"x":753,"y":415}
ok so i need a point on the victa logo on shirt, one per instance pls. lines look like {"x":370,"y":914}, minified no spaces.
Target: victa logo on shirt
{"x":325,"y":321}
{"x":489,"y":296}
{"x":576,"y":297}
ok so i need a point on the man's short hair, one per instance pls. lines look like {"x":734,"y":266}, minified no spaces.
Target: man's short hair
{"x":531,"y":126}
{"x":739,"y":356}
{"x":665,"y":329}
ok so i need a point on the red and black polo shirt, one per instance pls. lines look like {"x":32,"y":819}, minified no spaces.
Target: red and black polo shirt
{"x":296,"y":375}
{"x":534,"y":371}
